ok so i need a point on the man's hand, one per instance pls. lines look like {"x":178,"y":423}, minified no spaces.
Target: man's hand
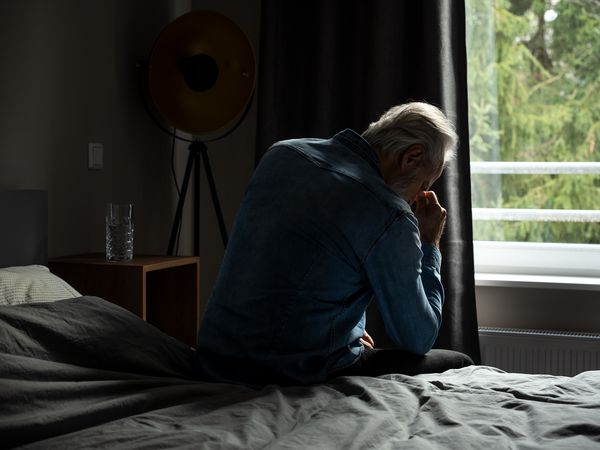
{"x":367,"y":340}
{"x":431,"y":216}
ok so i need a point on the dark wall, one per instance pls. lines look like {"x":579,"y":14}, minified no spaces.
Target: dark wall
{"x":68,"y":78}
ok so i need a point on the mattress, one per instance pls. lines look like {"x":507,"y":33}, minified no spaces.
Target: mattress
{"x":85,"y":373}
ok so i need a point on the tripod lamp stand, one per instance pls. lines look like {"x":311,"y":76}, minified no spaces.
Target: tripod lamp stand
{"x":200,"y":77}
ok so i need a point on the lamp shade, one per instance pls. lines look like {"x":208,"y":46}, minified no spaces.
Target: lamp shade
{"x":201,"y":72}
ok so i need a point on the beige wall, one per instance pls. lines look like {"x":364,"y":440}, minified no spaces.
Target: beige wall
{"x":539,"y":308}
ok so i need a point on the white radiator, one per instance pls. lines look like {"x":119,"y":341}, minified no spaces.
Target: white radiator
{"x":535,"y":351}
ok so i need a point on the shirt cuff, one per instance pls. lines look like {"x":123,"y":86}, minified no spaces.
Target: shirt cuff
{"x":431,"y":257}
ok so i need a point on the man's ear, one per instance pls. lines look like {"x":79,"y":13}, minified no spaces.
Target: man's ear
{"x":412,"y":157}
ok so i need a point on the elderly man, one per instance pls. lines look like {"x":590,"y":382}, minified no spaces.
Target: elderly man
{"x":326,"y":226}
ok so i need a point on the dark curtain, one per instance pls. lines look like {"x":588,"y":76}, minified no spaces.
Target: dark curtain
{"x":326,"y":65}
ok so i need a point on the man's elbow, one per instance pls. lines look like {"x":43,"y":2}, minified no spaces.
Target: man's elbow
{"x":423,"y":343}
{"x":421,"y":348}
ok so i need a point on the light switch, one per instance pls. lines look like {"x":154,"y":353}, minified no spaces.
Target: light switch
{"x":95,"y":155}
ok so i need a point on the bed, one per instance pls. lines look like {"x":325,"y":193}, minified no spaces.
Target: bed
{"x":81,"y":372}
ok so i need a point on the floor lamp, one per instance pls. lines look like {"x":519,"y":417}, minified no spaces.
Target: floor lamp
{"x":200,"y":76}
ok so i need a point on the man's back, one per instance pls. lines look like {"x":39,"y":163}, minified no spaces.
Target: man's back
{"x":288,"y":305}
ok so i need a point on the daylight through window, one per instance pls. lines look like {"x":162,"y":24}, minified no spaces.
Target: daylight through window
{"x":534,"y":119}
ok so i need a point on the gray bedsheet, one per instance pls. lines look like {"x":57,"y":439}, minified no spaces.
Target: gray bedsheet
{"x":84,"y":373}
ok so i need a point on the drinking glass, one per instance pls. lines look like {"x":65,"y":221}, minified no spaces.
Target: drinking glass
{"x":119,"y":232}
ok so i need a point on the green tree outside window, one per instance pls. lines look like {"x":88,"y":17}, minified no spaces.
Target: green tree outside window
{"x":534,"y":95}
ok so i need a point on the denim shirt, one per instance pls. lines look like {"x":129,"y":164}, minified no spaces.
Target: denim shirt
{"x":318,"y":235}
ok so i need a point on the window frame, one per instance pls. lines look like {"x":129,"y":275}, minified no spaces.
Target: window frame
{"x":500,"y":260}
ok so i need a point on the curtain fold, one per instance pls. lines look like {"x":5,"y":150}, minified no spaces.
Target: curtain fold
{"x":329,"y":65}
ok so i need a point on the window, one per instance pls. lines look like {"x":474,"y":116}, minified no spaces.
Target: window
{"x":534,"y":119}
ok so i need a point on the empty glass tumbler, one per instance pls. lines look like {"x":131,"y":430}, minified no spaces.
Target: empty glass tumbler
{"x":119,"y":232}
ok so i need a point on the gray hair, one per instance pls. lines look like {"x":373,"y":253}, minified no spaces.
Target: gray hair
{"x":414,"y":123}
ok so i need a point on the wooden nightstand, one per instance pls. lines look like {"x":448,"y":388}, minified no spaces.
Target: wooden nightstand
{"x":162,"y":290}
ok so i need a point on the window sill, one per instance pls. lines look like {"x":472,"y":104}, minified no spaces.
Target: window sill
{"x":538,"y":281}
{"x":545,"y":262}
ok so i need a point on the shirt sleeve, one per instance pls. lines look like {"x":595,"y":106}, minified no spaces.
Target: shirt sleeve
{"x":407,"y":284}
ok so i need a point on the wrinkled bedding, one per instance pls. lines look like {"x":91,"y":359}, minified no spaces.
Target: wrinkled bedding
{"x":84,"y":373}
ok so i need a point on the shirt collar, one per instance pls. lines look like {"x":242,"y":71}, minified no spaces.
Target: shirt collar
{"x":358,"y":145}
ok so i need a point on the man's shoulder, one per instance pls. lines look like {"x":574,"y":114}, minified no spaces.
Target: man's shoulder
{"x":344,"y":140}
{"x":334,"y":156}
{"x":304,"y":145}
{"x":307,"y":141}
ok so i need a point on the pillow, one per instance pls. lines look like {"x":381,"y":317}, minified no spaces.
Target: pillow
{"x":32,"y":284}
